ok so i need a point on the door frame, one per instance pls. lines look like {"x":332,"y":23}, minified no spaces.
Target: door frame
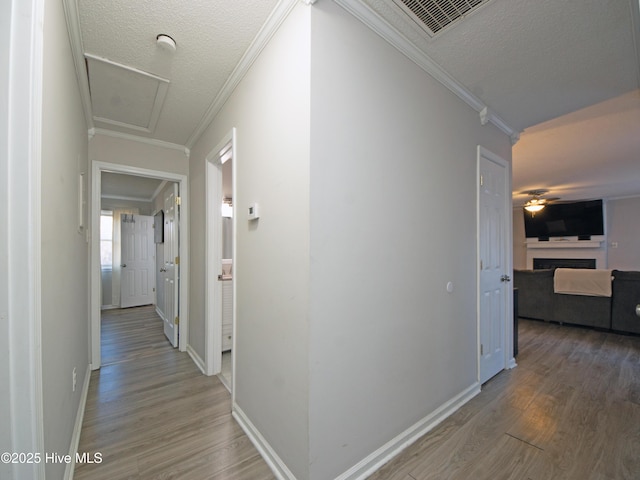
{"x":97,"y":168}
{"x":213,"y":252}
{"x":507,"y":346}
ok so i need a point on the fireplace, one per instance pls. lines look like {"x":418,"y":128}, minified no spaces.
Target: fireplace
{"x":543,"y":263}
{"x":567,"y":252}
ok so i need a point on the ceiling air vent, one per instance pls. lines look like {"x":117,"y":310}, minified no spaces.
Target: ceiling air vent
{"x":434,"y":15}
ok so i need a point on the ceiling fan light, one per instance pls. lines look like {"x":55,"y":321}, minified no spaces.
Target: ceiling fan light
{"x":534,"y":207}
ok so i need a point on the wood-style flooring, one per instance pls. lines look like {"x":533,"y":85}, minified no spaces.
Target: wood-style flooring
{"x":151,"y":414}
{"x":570,"y":410}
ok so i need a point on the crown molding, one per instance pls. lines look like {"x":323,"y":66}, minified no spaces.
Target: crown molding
{"x":126,"y":198}
{"x":374,"y":21}
{"x":136,"y":138}
{"x":77,"y":52}
{"x":279,"y":14}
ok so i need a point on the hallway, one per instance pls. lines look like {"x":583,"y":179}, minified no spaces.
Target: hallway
{"x":151,"y":413}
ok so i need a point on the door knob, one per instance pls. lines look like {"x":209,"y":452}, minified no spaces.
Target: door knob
{"x":123,"y":265}
{"x":163,"y":269}
{"x":505,"y":278}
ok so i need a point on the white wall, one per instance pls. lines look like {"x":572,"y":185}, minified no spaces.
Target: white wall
{"x":270,"y":110}
{"x":65,"y":309}
{"x":103,"y":148}
{"x":622,"y":227}
{"x":5,"y":397}
{"x":519,"y":247}
{"x":20,"y":141}
{"x":393,"y":219}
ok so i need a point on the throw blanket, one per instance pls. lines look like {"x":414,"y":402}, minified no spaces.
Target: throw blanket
{"x":582,"y":281}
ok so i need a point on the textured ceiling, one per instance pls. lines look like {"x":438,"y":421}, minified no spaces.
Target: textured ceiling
{"x":211,"y":37}
{"x":529,"y":61}
{"x":535,"y":61}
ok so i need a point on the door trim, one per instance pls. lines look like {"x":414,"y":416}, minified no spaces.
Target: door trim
{"x":213,"y":252}
{"x":509,"y":360}
{"x":96,"y":190}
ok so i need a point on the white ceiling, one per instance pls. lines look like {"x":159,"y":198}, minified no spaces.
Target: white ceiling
{"x":130,"y":187}
{"x":564,"y":73}
{"x":211,"y":38}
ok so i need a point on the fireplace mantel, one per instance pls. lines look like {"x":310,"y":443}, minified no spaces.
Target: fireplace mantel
{"x":568,"y":247}
{"x":565,"y":244}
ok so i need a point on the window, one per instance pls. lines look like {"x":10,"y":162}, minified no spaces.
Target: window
{"x":106,"y":239}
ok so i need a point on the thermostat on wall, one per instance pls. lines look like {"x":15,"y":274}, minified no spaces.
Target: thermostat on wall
{"x":254,"y":212}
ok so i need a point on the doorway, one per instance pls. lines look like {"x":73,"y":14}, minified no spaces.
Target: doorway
{"x":220,"y":301}
{"x":98,"y":169}
{"x":495,"y":296}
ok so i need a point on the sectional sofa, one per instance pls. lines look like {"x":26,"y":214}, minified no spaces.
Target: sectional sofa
{"x":537,"y":300}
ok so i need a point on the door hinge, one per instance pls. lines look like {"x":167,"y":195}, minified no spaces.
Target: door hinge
{"x":481,"y":180}
{"x":177,"y":321}
{"x":481,"y":266}
{"x":481,"y":349}
{"x":178,"y":201}
{"x":177,"y":262}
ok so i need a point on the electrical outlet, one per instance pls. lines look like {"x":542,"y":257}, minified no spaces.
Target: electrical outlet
{"x":74,"y":378}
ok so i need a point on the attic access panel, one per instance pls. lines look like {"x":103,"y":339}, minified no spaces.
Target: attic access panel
{"x":125,"y":96}
{"x":434,"y":15}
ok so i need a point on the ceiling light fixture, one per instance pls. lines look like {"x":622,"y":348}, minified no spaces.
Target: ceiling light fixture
{"x":536,"y":203}
{"x":166,"y":42}
{"x":533,"y":206}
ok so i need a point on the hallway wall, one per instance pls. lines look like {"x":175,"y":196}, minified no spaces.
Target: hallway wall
{"x":270,"y":111}
{"x":109,"y":149}
{"x":5,"y":373}
{"x":64,"y":264}
{"x":393,"y":219}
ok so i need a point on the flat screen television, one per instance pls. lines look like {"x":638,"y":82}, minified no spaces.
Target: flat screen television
{"x":581,"y":219}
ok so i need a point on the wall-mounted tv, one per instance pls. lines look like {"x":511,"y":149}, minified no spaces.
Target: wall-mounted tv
{"x":581,"y":219}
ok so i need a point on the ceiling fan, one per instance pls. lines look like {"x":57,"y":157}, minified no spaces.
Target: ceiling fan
{"x":536,"y":202}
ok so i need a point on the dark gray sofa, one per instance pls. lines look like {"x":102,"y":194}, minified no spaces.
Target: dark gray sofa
{"x":535,"y":293}
{"x":537,"y":300}
{"x":626,"y":296}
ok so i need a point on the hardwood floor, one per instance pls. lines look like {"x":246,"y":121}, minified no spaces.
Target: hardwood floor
{"x":151,"y":414}
{"x":570,"y":410}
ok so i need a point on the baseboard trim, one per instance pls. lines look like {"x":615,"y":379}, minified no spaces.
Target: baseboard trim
{"x":275,"y":463}
{"x":196,"y":358}
{"x":375,"y":460}
{"x":77,"y":428}
{"x":160,"y":314}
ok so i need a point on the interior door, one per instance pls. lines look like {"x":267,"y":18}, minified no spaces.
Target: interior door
{"x":171,"y":265}
{"x":494,"y":286}
{"x":137,"y":263}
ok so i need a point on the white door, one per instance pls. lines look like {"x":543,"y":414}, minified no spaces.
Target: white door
{"x":171,"y":266}
{"x":494,"y":273}
{"x":160,"y":274}
{"x":137,"y":263}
